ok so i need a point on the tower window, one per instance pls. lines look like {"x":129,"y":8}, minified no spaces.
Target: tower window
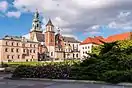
{"x":51,"y":40}
{"x":37,"y":25}
{"x":51,"y":53}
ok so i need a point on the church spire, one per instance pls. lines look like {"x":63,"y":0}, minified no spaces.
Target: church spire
{"x":36,"y":15}
{"x":49,"y":26}
{"x":36,"y":24}
{"x":49,"y":23}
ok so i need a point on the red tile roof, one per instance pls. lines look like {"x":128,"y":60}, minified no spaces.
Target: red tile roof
{"x":96,"y":40}
{"x":100,"y":40}
{"x":117,"y":37}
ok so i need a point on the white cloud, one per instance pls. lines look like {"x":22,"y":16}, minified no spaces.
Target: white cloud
{"x":80,"y":15}
{"x":124,"y":14}
{"x":3,"y":6}
{"x":16,"y":14}
{"x":122,"y":22}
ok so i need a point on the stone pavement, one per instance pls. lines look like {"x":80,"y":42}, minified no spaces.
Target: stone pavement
{"x":5,"y":83}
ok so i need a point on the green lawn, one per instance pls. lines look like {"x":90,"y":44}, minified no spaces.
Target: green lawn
{"x":41,"y":63}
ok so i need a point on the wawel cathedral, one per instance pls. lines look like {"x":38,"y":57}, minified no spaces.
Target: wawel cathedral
{"x":41,"y":45}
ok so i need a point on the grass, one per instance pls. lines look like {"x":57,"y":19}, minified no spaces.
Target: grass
{"x":12,"y":64}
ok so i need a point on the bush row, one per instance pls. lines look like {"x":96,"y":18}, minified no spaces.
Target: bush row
{"x":48,"y":71}
{"x":68,"y":72}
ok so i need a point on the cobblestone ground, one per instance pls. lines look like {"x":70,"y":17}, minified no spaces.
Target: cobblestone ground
{"x":4,"y":83}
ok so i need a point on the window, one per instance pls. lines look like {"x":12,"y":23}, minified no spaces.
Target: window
{"x":88,"y":47}
{"x":8,"y":56}
{"x":12,"y":43}
{"x":73,"y":55}
{"x":24,"y":50}
{"x":26,"y":60}
{"x":34,"y":51}
{"x":6,"y":43}
{"x":77,"y":55}
{"x":51,"y":53}
{"x":34,"y":46}
{"x":51,"y":40}
{"x":37,"y":25}
{"x":85,"y":47}
{"x":12,"y":57}
{"x":17,"y":50}
{"x":6,"y":50}
{"x":32,"y":56}
{"x":23,"y":45}
{"x":30,"y":45}
{"x":17,"y":44}
{"x":18,"y":56}
{"x":12,"y":49}
{"x":30,"y":51}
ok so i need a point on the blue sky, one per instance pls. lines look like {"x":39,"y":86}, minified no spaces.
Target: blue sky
{"x":76,"y":18}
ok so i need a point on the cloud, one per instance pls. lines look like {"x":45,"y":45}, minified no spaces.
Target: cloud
{"x":16,"y":14}
{"x":124,"y":14}
{"x":80,"y":16}
{"x":122,"y":22}
{"x":3,"y":6}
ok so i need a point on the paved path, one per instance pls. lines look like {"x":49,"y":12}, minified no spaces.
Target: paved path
{"x":4,"y":83}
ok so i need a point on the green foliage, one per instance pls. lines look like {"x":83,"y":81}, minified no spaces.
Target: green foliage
{"x":47,"y":71}
{"x":117,"y":76}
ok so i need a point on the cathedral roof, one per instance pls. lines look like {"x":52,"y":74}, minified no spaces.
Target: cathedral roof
{"x":70,"y":39}
{"x":49,"y":23}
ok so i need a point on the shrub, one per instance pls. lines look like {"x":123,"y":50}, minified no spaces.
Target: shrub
{"x":117,"y":76}
{"x":48,"y":71}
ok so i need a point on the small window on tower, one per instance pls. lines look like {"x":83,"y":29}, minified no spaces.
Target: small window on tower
{"x":37,"y":25}
{"x":51,"y":53}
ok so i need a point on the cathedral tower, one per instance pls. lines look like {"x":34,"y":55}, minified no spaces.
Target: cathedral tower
{"x":36,"y":27}
{"x":50,"y":38}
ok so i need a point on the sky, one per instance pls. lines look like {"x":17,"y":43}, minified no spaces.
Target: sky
{"x":77,"y":18}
